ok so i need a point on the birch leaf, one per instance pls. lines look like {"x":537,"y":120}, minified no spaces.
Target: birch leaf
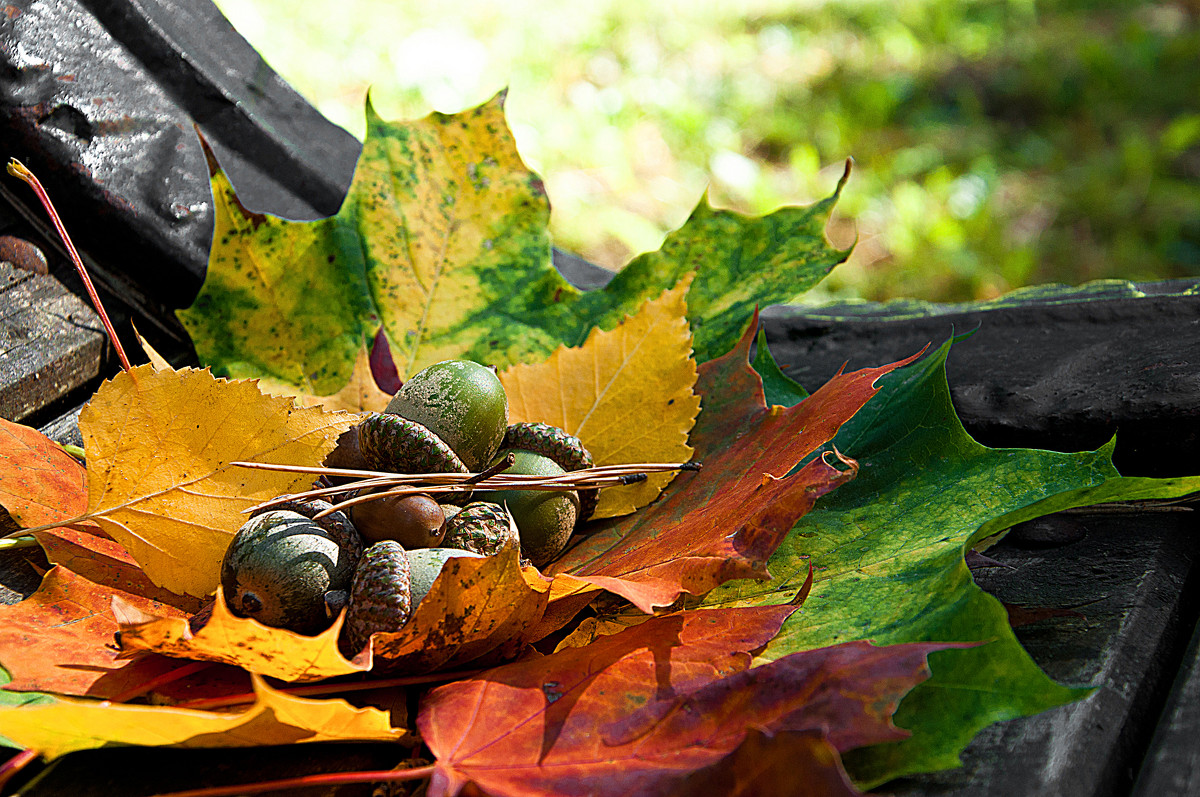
{"x":159,"y":447}
{"x":626,"y":394}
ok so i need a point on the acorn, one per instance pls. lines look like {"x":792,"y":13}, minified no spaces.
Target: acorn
{"x":462,"y":403}
{"x":380,"y":597}
{"x":482,"y":528}
{"x":426,"y":564}
{"x":279,"y":569}
{"x":544,"y":518}
{"x":414,"y":521}
{"x":564,"y":448}
{"x":336,"y":524}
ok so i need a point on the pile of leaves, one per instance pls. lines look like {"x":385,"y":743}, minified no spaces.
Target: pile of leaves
{"x":797,"y":614}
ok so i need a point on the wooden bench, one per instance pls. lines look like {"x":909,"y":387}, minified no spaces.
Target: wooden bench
{"x":143,"y":217}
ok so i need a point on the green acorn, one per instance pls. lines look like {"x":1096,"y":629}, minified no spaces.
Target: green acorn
{"x":460,"y":401}
{"x":336,"y":524}
{"x":482,"y":528}
{"x":279,"y":569}
{"x":544,"y":518}
{"x":426,"y":564}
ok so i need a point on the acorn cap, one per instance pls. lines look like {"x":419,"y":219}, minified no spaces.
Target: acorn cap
{"x":565,"y":449}
{"x":481,"y":527}
{"x":380,"y":596}
{"x":398,"y":445}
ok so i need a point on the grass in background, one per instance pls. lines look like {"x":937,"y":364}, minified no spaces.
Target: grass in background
{"x":998,"y":143}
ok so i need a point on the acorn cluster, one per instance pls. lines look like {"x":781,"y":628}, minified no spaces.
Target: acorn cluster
{"x":298,"y":564}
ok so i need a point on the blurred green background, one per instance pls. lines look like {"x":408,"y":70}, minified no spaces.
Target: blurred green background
{"x":997,"y":143}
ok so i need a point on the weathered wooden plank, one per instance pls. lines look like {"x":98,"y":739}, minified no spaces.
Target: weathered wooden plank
{"x":1133,"y":579}
{"x":51,"y":343}
{"x":1172,"y":768}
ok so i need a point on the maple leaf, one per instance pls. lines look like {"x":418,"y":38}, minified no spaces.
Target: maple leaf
{"x":65,"y":725}
{"x":242,"y":642}
{"x":58,"y":639}
{"x":797,"y":762}
{"x":159,"y":445}
{"x":442,"y":238}
{"x":724,"y":521}
{"x":626,"y":394}
{"x":39,"y":482}
{"x":638,"y":711}
{"x":888,"y":552}
{"x":87,"y":551}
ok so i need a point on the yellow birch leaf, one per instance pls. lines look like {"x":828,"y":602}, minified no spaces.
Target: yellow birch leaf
{"x":159,"y":446}
{"x":627,"y":394}
{"x":156,"y":359}
{"x":242,"y":642}
{"x":69,"y":724}
{"x":360,"y":394}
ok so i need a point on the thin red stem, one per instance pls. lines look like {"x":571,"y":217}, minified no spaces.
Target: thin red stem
{"x":15,"y":764}
{"x":333,"y":778}
{"x":18,"y":170}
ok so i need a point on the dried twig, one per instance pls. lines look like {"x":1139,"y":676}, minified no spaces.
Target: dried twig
{"x":373,"y":482}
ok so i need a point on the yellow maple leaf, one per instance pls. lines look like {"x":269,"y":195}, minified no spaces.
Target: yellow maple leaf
{"x":476,"y":607}
{"x":159,"y":446}
{"x":626,"y":394}
{"x":242,"y":642}
{"x":68,"y":724}
{"x":361,"y":393}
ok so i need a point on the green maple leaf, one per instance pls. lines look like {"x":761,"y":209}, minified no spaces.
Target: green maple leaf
{"x":442,"y":240}
{"x":888,"y":550}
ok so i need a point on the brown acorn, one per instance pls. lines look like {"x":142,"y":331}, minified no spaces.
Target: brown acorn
{"x":414,"y":521}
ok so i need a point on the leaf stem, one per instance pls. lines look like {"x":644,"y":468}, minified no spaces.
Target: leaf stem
{"x":58,"y":524}
{"x":18,"y":170}
{"x":15,"y":764}
{"x":329,"y":779}
{"x":73,"y":450}
{"x":184,"y":671}
{"x":15,"y":543}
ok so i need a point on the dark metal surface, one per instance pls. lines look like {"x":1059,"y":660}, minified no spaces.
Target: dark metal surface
{"x":102,"y":100}
{"x":1066,"y":376}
